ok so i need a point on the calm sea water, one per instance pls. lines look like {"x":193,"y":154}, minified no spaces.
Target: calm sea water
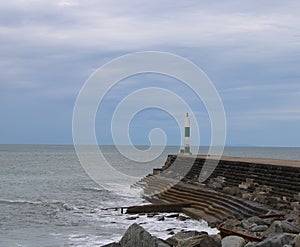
{"x":47,"y":199}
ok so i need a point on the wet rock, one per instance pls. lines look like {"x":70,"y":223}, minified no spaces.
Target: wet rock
{"x":269,"y":221}
{"x":256,"y":220}
{"x":172,"y":215}
{"x":186,"y":238}
{"x":138,"y":236}
{"x":161,"y":218}
{"x":209,"y":241}
{"x":182,"y":218}
{"x":132,"y":218}
{"x":259,"y":228}
{"x":233,"y":241}
{"x":245,"y":224}
{"x":170,"y":229}
{"x":275,"y":228}
{"x":276,"y":240}
{"x":296,"y":241}
{"x":216,"y":236}
{"x":232,"y":223}
{"x":151,"y":215}
{"x":289,"y":227}
{"x":282,"y":226}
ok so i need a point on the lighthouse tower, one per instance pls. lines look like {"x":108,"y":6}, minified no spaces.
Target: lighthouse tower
{"x":187,"y":134}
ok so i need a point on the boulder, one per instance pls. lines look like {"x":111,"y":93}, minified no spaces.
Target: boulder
{"x":296,"y":241}
{"x":275,"y":228}
{"x":259,"y":228}
{"x":186,"y":238}
{"x":138,"y":236}
{"x":233,"y":241}
{"x":281,"y":227}
{"x":232,"y":223}
{"x":209,"y":241}
{"x":289,"y":227}
{"x":276,"y":240}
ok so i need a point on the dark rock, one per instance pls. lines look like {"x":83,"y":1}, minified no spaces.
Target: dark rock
{"x":132,"y":218}
{"x":138,"y":236}
{"x":209,"y":242}
{"x":275,"y":228}
{"x":232,"y":223}
{"x":281,"y":227}
{"x":170,"y":229}
{"x":182,"y":218}
{"x":269,"y":221}
{"x":277,"y":240}
{"x":161,"y":218}
{"x":289,"y":227}
{"x":186,"y":238}
{"x":245,"y":224}
{"x":256,"y":220}
{"x":259,"y":228}
{"x":233,"y":241}
{"x":151,"y":215}
{"x":172,"y":215}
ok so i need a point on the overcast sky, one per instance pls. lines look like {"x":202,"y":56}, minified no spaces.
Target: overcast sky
{"x":249,"y":49}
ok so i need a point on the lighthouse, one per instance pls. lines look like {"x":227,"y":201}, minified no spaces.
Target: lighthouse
{"x":187,"y":134}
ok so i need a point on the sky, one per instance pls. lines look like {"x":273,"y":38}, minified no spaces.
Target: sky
{"x":249,"y":49}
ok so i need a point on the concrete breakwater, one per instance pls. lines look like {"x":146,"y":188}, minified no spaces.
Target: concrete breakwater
{"x":240,"y":187}
{"x":250,"y":198}
{"x":253,"y":202}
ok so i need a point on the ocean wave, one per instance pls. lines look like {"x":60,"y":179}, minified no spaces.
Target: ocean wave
{"x":94,"y":189}
{"x":52,"y":204}
{"x":4,"y":201}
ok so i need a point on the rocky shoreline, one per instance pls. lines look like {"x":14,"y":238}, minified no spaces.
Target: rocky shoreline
{"x":252,"y":204}
{"x":269,"y":231}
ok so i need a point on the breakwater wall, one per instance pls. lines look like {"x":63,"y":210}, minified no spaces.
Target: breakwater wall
{"x":238,"y":187}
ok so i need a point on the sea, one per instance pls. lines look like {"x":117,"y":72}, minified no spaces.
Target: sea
{"x":47,"y":198}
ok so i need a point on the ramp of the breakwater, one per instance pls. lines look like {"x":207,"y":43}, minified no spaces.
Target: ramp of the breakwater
{"x":239,"y":187}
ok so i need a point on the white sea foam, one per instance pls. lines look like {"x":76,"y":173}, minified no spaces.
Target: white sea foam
{"x":160,"y":229}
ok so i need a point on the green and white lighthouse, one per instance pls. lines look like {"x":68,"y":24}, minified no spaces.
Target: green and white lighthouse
{"x":187,"y":134}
